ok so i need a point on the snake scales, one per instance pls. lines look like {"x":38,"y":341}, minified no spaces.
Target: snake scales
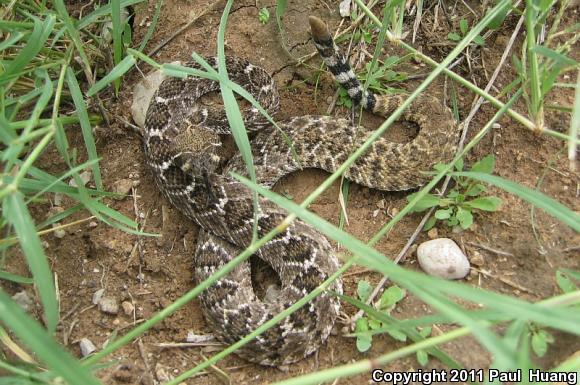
{"x":181,"y":143}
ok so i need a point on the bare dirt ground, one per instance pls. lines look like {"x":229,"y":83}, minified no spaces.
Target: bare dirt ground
{"x":150,"y":273}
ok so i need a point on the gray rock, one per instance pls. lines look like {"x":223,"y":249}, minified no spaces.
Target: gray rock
{"x":23,"y":300}
{"x":109,"y":305}
{"x":442,"y":258}
{"x":97,"y":295}
{"x":142,"y":94}
{"x":122,"y":186}
{"x":128,"y":308}
{"x":87,"y":347}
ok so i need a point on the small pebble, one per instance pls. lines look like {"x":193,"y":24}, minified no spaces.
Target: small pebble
{"x":477,"y":259}
{"x":433,"y":233}
{"x":85,"y":178}
{"x":23,"y":300}
{"x":443,"y":258}
{"x":344,"y":8}
{"x":59,"y":233}
{"x":123,"y":187}
{"x":197,"y":338}
{"x":93,"y":224}
{"x":109,"y":305}
{"x":57,"y":199}
{"x":97,"y":295}
{"x":128,"y":308}
{"x":87,"y":347}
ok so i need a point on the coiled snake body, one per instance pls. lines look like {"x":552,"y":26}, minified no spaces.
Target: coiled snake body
{"x":180,"y":141}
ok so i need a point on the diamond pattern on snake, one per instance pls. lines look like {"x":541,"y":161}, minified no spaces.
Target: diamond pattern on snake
{"x":181,"y":139}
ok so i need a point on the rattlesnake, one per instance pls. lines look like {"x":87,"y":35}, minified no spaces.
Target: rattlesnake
{"x":181,"y":142}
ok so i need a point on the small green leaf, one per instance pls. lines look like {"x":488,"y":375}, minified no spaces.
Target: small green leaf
{"x":459,"y":165}
{"x":517,"y":63}
{"x":463,"y":26}
{"x":391,"y":296}
{"x":422,"y":358}
{"x":464,"y":217}
{"x":374,"y":324}
{"x":497,"y":21}
{"x":539,"y":343}
{"x":425,"y":332}
{"x":439,"y":167}
{"x":363,"y":341}
{"x":443,"y":213}
{"x":396,"y":334}
{"x":127,"y":35}
{"x":454,"y":36}
{"x":479,"y":40}
{"x":565,"y":283}
{"x":264,"y":15}
{"x":475,"y":190}
{"x":485,"y":203}
{"x":430,"y":223}
{"x":557,"y":57}
{"x":364,"y":290}
{"x":426,"y":202}
{"x":484,"y":165}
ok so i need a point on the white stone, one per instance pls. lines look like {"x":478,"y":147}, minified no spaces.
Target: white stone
{"x":142,"y":94}
{"x":442,"y":258}
{"x":87,"y":347}
{"x":344,"y":8}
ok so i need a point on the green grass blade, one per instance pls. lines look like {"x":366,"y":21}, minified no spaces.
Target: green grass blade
{"x":575,"y":125}
{"x":551,"y":206}
{"x":233,"y":113}
{"x":15,"y":147}
{"x":151,"y":27}
{"x":33,"y":46}
{"x":72,"y":32}
{"x":103,"y":11}
{"x":117,"y":38}
{"x":42,"y":344}
{"x":119,"y":70}
{"x":12,"y":40}
{"x":81,"y":112}
{"x":16,"y":213}
{"x":4,"y":275}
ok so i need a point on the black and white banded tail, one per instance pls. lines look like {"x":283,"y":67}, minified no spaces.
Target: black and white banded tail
{"x":338,"y":65}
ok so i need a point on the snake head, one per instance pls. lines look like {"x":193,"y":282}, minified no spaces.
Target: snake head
{"x":194,"y":150}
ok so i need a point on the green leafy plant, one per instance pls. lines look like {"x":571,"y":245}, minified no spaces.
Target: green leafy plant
{"x":386,"y":303}
{"x":540,"y":339}
{"x":377,"y":79}
{"x":568,"y":280}
{"x":264,"y":15}
{"x":463,"y":29}
{"x":456,"y":208}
